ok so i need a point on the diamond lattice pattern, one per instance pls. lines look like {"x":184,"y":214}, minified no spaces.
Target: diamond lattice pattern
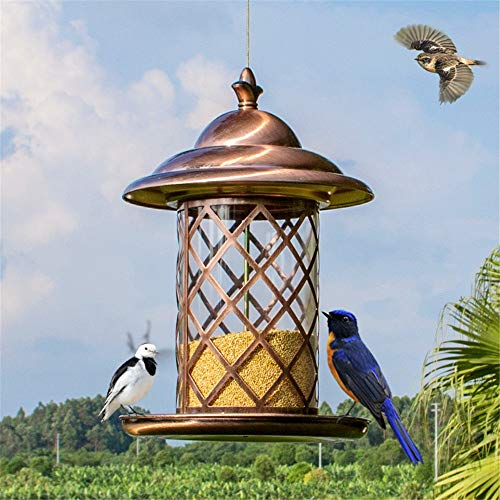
{"x":247,"y":296}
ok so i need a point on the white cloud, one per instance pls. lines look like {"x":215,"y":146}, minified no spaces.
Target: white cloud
{"x":208,"y":82}
{"x":154,"y":90}
{"x":79,"y":139}
{"x":47,"y":223}
{"x":21,"y":291}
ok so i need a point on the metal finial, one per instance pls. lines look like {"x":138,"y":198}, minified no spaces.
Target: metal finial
{"x":247,"y":90}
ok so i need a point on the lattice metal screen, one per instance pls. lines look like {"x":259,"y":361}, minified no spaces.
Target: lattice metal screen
{"x":247,"y":291}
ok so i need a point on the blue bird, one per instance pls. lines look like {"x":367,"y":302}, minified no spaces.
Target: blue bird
{"x":360,"y":376}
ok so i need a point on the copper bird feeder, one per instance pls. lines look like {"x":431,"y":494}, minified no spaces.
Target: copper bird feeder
{"x":247,"y":199}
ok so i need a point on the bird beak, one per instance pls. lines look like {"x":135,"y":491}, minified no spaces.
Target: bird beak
{"x":416,"y":59}
{"x":326,"y":314}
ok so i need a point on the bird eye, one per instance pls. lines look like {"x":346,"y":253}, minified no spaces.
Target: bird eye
{"x":345,"y":318}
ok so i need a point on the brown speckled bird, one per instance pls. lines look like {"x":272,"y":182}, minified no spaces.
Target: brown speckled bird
{"x":439,"y":56}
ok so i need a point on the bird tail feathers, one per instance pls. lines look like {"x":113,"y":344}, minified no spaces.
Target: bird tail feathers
{"x":475,"y":62}
{"x":104,"y":413}
{"x":107,"y":410}
{"x":401,"y":433}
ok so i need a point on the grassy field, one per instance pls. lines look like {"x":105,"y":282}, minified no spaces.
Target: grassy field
{"x":212,"y":481}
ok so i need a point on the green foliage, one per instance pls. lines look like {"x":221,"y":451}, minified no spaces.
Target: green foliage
{"x":466,"y":368}
{"x":325,"y":409}
{"x":15,"y":465}
{"x":96,"y":444}
{"x":43,"y":465}
{"x":85,"y":457}
{"x":389,"y":452}
{"x":345,"y":457}
{"x":227,"y":474}
{"x":264,"y":467}
{"x":77,"y":422}
{"x":316,"y":476}
{"x":297,"y":472}
{"x":164,"y":457}
{"x":283,"y":453}
{"x":205,"y":481}
{"x":306,"y":453}
{"x":187,"y":458}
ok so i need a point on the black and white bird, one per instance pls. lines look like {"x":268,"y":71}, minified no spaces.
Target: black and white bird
{"x":439,"y":55}
{"x":131,"y":382}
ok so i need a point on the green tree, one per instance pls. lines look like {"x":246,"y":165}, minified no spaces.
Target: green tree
{"x":43,"y":465}
{"x":77,"y":422}
{"x":283,"y":453}
{"x":465,"y":365}
{"x":325,"y":409}
{"x":316,"y":476}
{"x":306,"y":453}
{"x":16,"y":464}
{"x":227,"y":474}
{"x":264,"y":467}
{"x":297,"y":472}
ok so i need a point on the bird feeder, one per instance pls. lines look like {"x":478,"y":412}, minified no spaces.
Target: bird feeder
{"x":247,"y":199}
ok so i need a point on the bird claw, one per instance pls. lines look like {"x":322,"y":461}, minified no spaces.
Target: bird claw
{"x":135,"y":412}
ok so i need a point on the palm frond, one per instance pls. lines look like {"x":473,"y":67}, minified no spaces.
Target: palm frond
{"x":465,"y":367}
{"x":478,"y":479}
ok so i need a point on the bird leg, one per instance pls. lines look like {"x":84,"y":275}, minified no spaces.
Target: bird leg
{"x":346,"y":414}
{"x":125,"y":409}
{"x":135,"y":412}
{"x":349,"y":410}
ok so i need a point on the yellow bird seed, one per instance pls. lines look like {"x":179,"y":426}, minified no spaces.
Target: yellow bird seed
{"x":260,"y":371}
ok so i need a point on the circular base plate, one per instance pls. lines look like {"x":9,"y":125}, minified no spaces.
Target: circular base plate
{"x":246,"y":427}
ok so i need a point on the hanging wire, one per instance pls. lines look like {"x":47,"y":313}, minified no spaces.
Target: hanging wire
{"x":246,"y":267}
{"x":248,"y":33}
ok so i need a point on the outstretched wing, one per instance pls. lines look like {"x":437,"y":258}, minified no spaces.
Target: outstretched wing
{"x":425,"y":38}
{"x":454,"y":81}
{"x":360,"y":373}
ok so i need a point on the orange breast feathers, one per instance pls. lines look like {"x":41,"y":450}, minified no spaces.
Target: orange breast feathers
{"x":330,"y":353}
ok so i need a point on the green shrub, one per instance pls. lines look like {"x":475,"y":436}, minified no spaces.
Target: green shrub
{"x":344,"y":457}
{"x":264,"y":467}
{"x":43,"y":465}
{"x":306,"y":453}
{"x":316,"y":476}
{"x":425,"y":472}
{"x":187,"y":458}
{"x":15,"y":464}
{"x":390,"y":453}
{"x":227,"y":474}
{"x":283,"y":453}
{"x":3,"y":465}
{"x":370,"y":467}
{"x":298,"y":471}
{"x":164,"y":457}
{"x":135,"y":481}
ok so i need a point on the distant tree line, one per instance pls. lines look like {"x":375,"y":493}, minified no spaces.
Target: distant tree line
{"x":75,"y":420}
{"x":84,"y":440}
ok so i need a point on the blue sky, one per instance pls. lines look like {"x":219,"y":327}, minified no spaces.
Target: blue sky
{"x":97,"y":94}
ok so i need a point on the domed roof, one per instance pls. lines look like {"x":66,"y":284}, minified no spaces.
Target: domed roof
{"x":247,"y":152}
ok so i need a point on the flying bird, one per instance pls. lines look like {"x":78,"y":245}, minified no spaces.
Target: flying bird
{"x":439,"y":56}
{"x":359,"y":375}
{"x":131,"y":382}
